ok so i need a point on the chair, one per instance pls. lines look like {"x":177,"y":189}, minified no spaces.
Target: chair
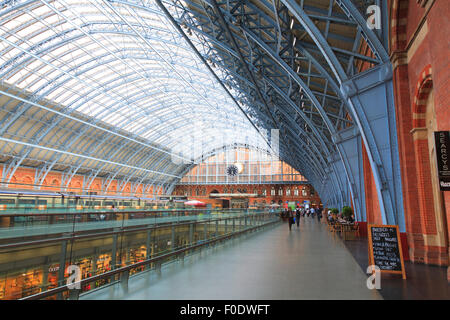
{"x":330,"y":225}
{"x":355,"y":228}
{"x":337,"y":227}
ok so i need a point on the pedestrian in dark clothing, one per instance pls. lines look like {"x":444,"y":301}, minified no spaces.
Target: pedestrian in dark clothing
{"x":319,"y":214}
{"x":297,"y":217}
{"x":290,"y":219}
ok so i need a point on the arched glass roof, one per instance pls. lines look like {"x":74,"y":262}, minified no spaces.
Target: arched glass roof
{"x":112,"y":88}
{"x":123,"y":66}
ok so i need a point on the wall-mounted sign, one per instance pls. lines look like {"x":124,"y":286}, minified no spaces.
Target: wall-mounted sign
{"x":442,"y":141}
{"x":181,"y":198}
{"x":53,"y":269}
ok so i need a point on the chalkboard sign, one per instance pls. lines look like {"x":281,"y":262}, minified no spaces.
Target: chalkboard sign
{"x":385,"y":250}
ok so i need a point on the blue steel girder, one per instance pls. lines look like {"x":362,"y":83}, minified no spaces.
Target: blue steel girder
{"x":302,"y":84}
{"x":268,"y":34}
{"x":293,"y":104}
{"x":187,"y":39}
{"x":350,"y":140}
{"x":320,"y":82}
{"x":229,"y":50}
{"x":287,"y":99}
{"x":375,"y":121}
{"x":301,"y":112}
{"x":390,"y":213}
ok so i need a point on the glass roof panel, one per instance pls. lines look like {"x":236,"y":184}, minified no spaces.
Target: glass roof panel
{"x":125,"y":66}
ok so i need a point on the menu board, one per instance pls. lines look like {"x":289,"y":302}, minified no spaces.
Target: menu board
{"x":385,"y":250}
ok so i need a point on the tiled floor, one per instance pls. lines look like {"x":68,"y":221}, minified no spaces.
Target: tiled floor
{"x":305,"y":263}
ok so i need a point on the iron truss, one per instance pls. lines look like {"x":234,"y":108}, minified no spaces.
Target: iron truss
{"x":317,"y":72}
{"x":151,"y":71}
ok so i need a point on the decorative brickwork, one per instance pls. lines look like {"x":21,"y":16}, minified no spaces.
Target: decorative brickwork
{"x":420,"y":66}
{"x":399,"y":12}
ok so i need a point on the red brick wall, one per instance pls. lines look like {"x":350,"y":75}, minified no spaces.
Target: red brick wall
{"x":420,"y":56}
{"x":181,"y":189}
{"x":24,"y":178}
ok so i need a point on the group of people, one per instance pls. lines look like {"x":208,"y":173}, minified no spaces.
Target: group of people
{"x":294,"y":216}
{"x":339,"y":217}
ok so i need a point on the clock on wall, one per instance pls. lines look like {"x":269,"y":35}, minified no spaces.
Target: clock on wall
{"x":239,"y":166}
{"x":232,"y":170}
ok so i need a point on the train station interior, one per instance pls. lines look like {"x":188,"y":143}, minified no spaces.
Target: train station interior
{"x":224,"y":150}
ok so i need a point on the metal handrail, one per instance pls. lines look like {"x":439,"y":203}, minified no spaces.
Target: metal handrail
{"x":111,"y":273}
{"x":109,"y":212}
{"x":83,"y":235}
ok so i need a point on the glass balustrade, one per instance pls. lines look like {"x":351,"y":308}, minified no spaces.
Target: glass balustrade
{"x":34,"y":246}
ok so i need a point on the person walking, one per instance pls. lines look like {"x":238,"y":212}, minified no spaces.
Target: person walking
{"x":297,"y":217}
{"x":319,"y":214}
{"x":290,"y":219}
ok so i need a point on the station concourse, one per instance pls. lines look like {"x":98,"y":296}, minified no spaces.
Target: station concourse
{"x":212,"y":149}
{"x":274,"y":264}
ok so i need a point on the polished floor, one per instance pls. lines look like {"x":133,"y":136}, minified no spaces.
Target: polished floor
{"x":423,"y":282}
{"x":305,"y":263}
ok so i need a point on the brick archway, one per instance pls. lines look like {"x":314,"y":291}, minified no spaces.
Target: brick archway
{"x":421,"y":95}
{"x":427,"y":248}
{"x":398,"y":22}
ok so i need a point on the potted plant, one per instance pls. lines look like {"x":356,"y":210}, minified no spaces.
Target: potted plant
{"x":347,"y":212}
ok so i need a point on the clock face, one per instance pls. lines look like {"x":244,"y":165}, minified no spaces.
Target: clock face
{"x":239,"y":166}
{"x":232,"y":170}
